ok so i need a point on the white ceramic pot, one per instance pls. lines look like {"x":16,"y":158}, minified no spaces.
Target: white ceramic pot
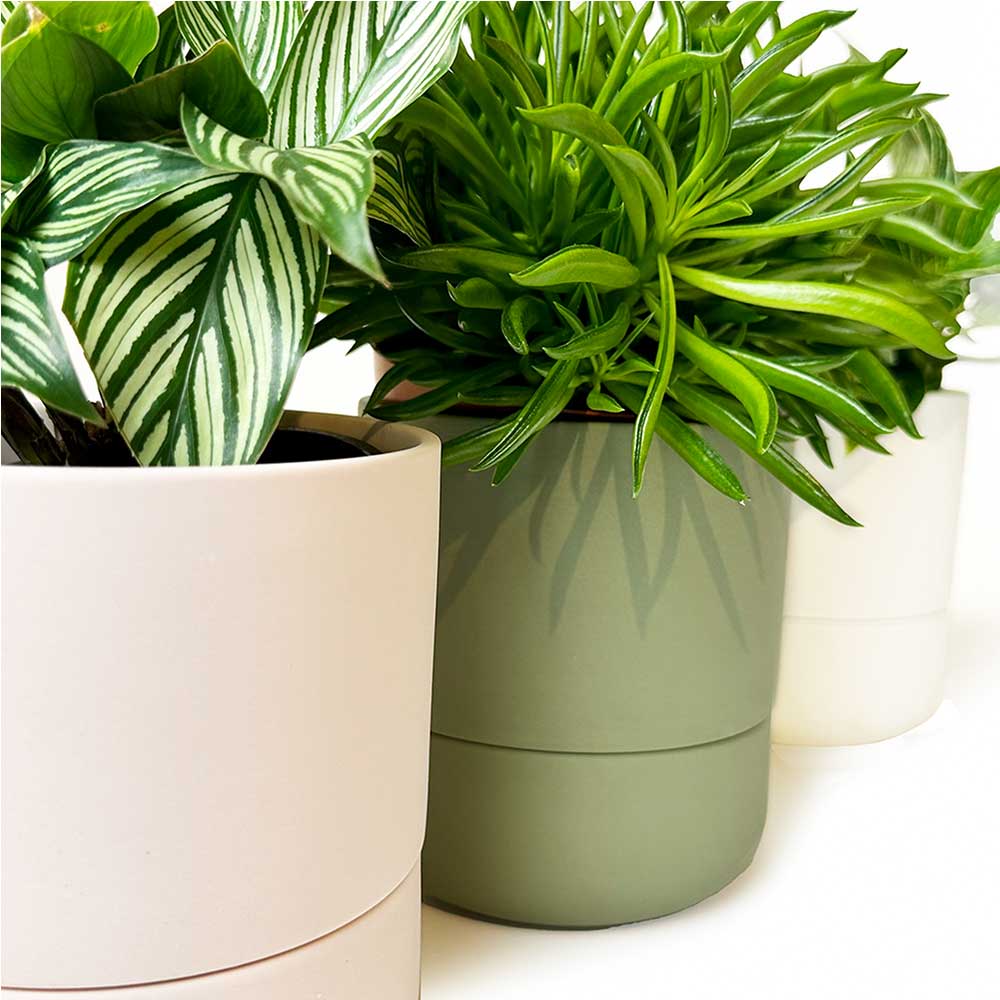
{"x":863,"y":650}
{"x":216,"y":698}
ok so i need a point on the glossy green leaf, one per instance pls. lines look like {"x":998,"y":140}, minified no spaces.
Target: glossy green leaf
{"x":576,"y":265}
{"x":126,"y":31}
{"x":519,"y":318}
{"x":595,"y":339}
{"x":886,"y":391}
{"x":215,"y":81}
{"x":841,"y":301}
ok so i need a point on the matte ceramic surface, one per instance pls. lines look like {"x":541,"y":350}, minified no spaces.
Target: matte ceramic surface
{"x":376,"y":957}
{"x":864,"y":647}
{"x":588,"y":840}
{"x":572,"y":617}
{"x":848,"y":682}
{"x":216,"y":699}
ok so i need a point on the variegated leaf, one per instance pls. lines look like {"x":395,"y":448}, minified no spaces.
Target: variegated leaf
{"x":193,"y":350}
{"x":33,"y":353}
{"x":87,"y":184}
{"x":262,"y":32}
{"x":327,"y":186}
{"x":7,"y":7}
{"x":355,"y":66}
{"x":393,"y":200}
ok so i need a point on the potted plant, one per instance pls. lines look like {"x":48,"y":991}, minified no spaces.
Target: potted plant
{"x":867,"y":661}
{"x":214,"y":757}
{"x":618,"y":240}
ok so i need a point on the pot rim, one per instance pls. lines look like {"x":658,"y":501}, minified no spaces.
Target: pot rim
{"x":406,"y":438}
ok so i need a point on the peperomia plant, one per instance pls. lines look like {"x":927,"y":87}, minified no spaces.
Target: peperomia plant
{"x":198,"y":170}
{"x":623,"y":219}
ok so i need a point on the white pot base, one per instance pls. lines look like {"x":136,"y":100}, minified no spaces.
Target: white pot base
{"x":376,"y":957}
{"x":849,"y":682}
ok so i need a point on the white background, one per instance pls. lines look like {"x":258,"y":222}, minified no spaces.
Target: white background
{"x":878,"y":877}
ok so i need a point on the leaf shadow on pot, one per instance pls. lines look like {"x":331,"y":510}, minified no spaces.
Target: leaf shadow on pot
{"x":566,"y":493}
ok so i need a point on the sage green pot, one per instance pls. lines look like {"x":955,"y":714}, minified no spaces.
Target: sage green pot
{"x":604,"y":672}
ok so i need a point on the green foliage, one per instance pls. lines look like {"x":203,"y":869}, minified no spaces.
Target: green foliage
{"x":619,"y":217}
{"x":197,"y":170}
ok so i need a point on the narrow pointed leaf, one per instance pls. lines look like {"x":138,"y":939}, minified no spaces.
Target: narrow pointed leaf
{"x":842,"y":301}
{"x":34,"y":354}
{"x":886,"y":391}
{"x":594,"y":340}
{"x":576,"y":265}
{"x":193,"y":353}
{"x":519,"y":318}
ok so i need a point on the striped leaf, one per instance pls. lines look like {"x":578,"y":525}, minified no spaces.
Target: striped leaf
{"x":262,"y":33}
{"x":33,"y":352}
{"x":193,"y":313}
{"x":354,"y":66}
{"x":87,"y":184}
{"x":9,"y":193}
{"x":327,"y":187}
{"x":394,"y":200}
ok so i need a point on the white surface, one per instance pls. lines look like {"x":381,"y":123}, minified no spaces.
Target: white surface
{"x":216,"y":794}
{"x":376,"y":957}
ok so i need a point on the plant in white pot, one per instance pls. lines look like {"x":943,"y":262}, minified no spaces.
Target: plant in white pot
{"x":618,"y":241}
{"x":215,"y":696}
{"x":865,"y":633}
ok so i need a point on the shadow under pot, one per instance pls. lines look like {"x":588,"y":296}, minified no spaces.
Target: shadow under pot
{"x":604,"y":673}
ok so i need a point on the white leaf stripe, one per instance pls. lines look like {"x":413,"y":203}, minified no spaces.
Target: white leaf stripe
{"x":262,"y":33}
{"x":87,"y":184}
{"x":194,"y":353}
{"x":354,"y":66}
{"x":327,"y":186}
{"x":33,"y":353}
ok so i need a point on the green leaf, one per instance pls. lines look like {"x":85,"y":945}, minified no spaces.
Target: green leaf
{"x":576,"y":265}
{"x":737,"y":379}
{"x":842,"y":301}
{"x":478,"y":293}
{"x":808,"y":226}
{"x":547,"y":402}
{"x":688,"y":444}
{"x":50,"y":80}
{"x":648,"y":414}
{"x":595,"y":339}
{"x":34,"y":354}
{"x":465,"y":260}
{"x":355,"y":66}
{"x":193,"y":352}
{"x":885,"y":390}
{"x":801,"y":383}
{"x":519,"y":318}
{"x":262,"y":34}
{"x":783,"y":466}
{"x":126,"y":31}
{"x":215,"y":81}
{"x":11,"y":192}
{"x":656,"y":193}
{"x":600,"y":402}
{"x":87,"y":184}
{"x":326,"y":186}
{"x":925,"y":188}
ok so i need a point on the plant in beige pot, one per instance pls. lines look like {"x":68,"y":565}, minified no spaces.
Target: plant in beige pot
{"x":617,"y":239}
{"x":865,"y":634}
{"x":214,"y":743}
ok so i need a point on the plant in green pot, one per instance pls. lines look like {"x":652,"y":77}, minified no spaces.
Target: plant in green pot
{"x":613,"y":236}
{"x":214,"y":752}
{"x":868,"y":661}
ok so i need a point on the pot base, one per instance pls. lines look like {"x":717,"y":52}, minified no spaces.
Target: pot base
{"x":588,"y":840}
{"x":376,"y":957}
{"x":849,"y":682}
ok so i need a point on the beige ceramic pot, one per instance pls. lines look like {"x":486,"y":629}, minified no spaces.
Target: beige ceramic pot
{"x":216,"y":703}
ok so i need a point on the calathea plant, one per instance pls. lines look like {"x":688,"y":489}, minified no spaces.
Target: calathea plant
{"x":197,"y":170}
{"x":622,"y":220}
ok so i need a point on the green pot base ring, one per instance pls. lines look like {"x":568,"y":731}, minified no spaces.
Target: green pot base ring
{"x":586,"y":840}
